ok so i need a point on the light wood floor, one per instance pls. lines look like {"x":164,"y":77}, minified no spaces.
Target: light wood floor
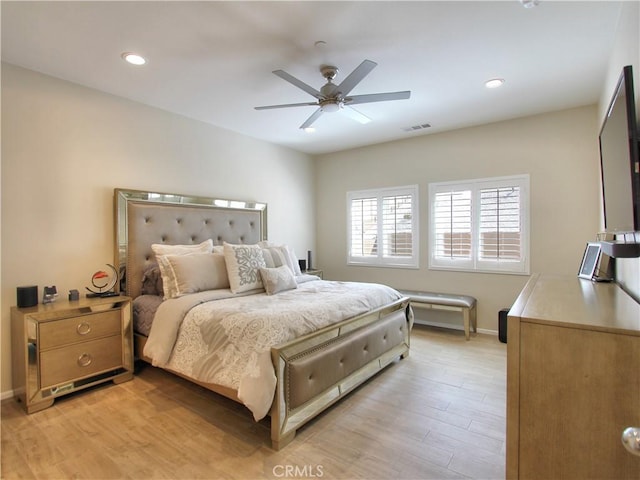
{"x":438,"y":414}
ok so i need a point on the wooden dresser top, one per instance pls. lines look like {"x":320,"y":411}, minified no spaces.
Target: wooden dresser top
{"x":577,"y":303}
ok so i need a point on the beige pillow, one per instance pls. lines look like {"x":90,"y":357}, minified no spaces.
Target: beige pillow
{"x":161,"y":250}
{"x":278,"y":279}
{"x":243,"y":266}
{"x":198,"y":272}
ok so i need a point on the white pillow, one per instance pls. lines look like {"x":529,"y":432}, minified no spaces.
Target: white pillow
{"x":243,"y":266}
{"x":294,"y":260}
{"x":166,"y":249}
{"x":278,"y":279}
{"x":161,"y":250}
{"x":197,"y":272}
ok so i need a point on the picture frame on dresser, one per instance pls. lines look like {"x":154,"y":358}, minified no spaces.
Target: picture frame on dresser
{"x":595,"y":264}
{"x":590,"y":260}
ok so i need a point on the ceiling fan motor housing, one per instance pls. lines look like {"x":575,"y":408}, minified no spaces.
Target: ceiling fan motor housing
{"x":329,"y":71}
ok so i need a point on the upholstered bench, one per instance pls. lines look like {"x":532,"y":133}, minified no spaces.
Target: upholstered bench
{"x":446,"y":301}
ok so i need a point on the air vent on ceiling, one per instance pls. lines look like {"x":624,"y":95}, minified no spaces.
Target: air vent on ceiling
{"x":416,"y":127}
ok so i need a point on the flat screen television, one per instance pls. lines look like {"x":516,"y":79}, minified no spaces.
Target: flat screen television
{"x":619,"y":162}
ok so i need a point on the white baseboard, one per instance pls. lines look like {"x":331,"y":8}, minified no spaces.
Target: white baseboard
{"x":453,"y":326}
{"x":486,"y":331}
{"x":6,"y":395}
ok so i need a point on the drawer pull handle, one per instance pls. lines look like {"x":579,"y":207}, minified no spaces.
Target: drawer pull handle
{"x":84,"y":360}
{"x":83,"y":328}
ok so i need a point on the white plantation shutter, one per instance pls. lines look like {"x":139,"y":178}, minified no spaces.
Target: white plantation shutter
{"x":382,"y":227}
{"x":364,"y":215}
{"x":452,"y":223}
{"x":500,"y":224}
{"x":480,"y":225}
{"x":396,"y":216}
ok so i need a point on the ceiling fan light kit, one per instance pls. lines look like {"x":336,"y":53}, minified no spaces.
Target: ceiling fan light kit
{"x":333,"y":98}
{"x":330,"y":105}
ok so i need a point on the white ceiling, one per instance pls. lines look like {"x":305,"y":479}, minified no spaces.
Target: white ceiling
{"x":212,"y":61}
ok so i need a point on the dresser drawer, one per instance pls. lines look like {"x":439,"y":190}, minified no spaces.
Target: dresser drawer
{"x":80,"y":360}
{"x":79,"y":329}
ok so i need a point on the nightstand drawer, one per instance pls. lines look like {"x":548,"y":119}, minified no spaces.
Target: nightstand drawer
{"x":79,"y":329}
{"x":81,"y":360}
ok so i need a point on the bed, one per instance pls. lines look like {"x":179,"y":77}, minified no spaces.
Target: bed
{"x":302,"y":343}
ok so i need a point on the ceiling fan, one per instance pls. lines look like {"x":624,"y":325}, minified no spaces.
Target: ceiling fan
{"x":333,"y":98}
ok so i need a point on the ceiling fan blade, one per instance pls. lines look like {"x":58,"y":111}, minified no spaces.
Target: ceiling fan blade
{"x":356,"y":77}
{"x":298,"y":83}
{"x":286,"y":105}
{"x":355,"y":114}
{"x":311,"y":119}
{"x":377,"y":97}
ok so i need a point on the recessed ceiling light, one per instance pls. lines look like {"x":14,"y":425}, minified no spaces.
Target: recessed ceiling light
{"x":133,"y":58}
{"x":530,"y":3}
{"x":494,"y":83}
{"x":309,"y":129}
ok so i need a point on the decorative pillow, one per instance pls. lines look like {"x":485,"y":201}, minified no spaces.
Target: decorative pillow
{"x":278,"y":279}
{"x":275,"y":257}
{"x":152,"y":281}
{"x":294,"y":261}
{"x":197,"y":272}
{"x":243,"y":266}
{"x":161,"y":250}
{"x":278,"y":255}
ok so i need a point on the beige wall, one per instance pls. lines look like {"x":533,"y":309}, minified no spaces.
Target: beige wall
{"x":558,"y":150}
{"x":626,"y":51}
{"x":64,"y":149}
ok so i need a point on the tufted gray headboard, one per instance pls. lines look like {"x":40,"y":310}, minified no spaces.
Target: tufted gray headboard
{"x":145,"y":218}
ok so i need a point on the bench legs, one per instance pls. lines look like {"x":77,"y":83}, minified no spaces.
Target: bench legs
{"x":468,"y":315}
{"x":470,"y":321}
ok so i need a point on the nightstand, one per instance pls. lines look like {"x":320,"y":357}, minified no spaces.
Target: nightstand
{"x":313,"y":271}
{"x":66,"y":346}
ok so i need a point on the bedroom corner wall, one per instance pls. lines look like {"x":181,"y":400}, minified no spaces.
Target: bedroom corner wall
{"x":66,"y":147}
{"x":560,"y":152}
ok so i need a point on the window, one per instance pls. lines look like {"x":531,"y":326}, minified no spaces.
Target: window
{"x":480,"y":225}
{"x":383,"y":227}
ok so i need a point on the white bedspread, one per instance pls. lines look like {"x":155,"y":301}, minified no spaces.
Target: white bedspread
{"x":217,"y":337}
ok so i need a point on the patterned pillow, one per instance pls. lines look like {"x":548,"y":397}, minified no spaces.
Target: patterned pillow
{"x":278,"y":255}
{"x":278,"y":279}
{"x":243,"y":266}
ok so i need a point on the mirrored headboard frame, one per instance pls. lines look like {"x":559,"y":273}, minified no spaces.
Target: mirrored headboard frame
{"x":144,"y":218}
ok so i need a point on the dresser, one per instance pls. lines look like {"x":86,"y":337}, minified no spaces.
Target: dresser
{"x":66,"y":346}
{"x":573,"y":380}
